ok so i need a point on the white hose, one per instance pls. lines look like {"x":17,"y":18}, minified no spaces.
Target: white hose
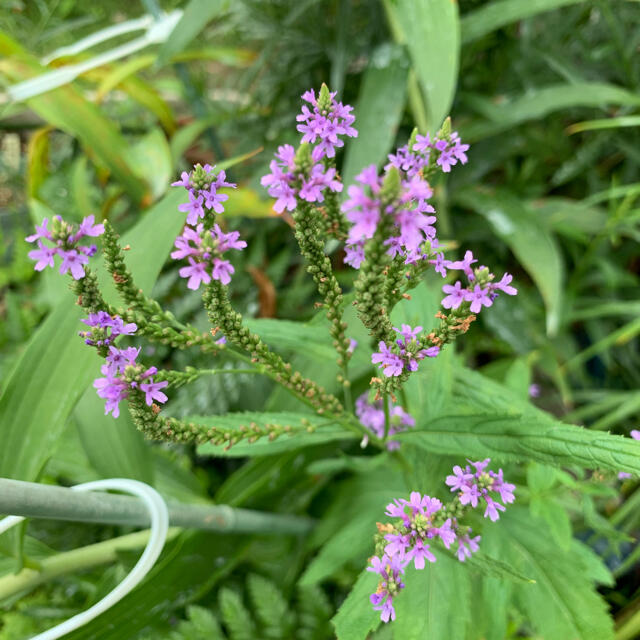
{"x":159,"y":526}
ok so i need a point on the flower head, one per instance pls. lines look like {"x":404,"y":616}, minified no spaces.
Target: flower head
{"x":65,"y":238}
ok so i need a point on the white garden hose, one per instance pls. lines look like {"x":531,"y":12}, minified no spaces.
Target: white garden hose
{"x":159,"y":525}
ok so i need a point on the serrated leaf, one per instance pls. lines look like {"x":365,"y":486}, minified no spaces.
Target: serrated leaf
{"x":356,"y":618}
{"x":430,"y":604}
{"x":271,"y":609}
{"x":525,"y":437}
{"x":379,"y":109}
{"x":235,"y":615}
{"x":555,"y":518}
{"x":564,"y":590}
{"x":322,"y":431}
{"x":494,"y":568}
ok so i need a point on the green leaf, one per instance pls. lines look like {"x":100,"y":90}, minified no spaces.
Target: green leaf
{"x":604,"y":123}
{"x":563,"y":603}
{"x":534,"y":246}
{"x":356,"y":617}
{"x":537,"y":103}
{"x":115,"y":448}
{"x":272,"y":610}
{"x":201,"y":625}
{"x":493,"y":568}
{"x":322,"y":432}
{"x":197,"y":14}
{"x":515,"y":436}
{"x":150,"y":158}
{"x":431,"y":31}
{"x":235,"y":616}
{"x":518,"y":377}
{"x":494,"y":15}
{"x":430,"y":604}
{"x":379,"y":109}
{"x":555,"y":518}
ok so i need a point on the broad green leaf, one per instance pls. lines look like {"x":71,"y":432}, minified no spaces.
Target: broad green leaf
{"x":515,"y":436}
{"x":430,"y":605}
{"x":356,"y":618}
{"x":534,"y":246}
{"x":37,"y":160}
{"x":66,"y":109}
{"x":306,"y":430}
{"x":188,"y":568}
{"x":555,"y":518}
{"x":499,"y":13}
{"x":197,"y":14}
{"x":537,"y":103}
{"x":518,"y":377}
{"x":431,"y":32}
{"x":492,"y":567}
{"x":151,"y":157}
{"x":115,"y":448}
{"x":36,"y":403}
{"x":563,"y":603}
{"x":379,"y":109}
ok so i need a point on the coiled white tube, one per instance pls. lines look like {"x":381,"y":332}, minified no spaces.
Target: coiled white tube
{"x":159,"y":516}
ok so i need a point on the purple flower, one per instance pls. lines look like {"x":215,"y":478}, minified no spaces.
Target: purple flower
{"x":43,"y":255}
{"x":41,"y":232}
{"x":391,"y":363}
{"x":204,"y":250}
{"x":74,"y":262}
{"x":371,"y":415}
{"x":222,"y":270}
{"x":478,"y":298}
{"x":419,"y":553}
{"x":467,"y":546}
{"x":492,"y":509}
{"x":464,"y":264}
{"x":456,"y":294}
{"x":354,"y":255}
{"x":446,"y":533}
{"x":407,"y":332}
{"x":534,"y":390}
{"x":325,"y":126}
{"x":459,"y":478}
{"x":504,"y":285}
{"x":183,"y":182}
{"x":389,"y":570}
{"x":88,"y":228}
{"x":105,"y":329}
{"x":193,"y":208}
{"x":196,"y":272}
{"x":152,"y":391}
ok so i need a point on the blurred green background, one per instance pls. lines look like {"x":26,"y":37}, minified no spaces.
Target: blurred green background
{"x":546,"y":92}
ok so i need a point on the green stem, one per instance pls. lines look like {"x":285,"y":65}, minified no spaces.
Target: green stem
{"x":630,"y":629}
{"x":93,"y":555}
{"x":387,"y":416}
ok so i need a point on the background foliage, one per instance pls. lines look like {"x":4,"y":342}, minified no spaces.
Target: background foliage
{"x":547,"y":93}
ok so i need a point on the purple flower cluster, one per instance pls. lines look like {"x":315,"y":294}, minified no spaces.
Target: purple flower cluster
{"x":447,"y":150}
{"x":477,"y":484}
{"x":324,"y":123}
{"x":623,"y":475}
{"x":65,"y":238}
{"x":105,"y":329}
{"x":122,"y":375}
{"x":405,"y":353}
{"x":410,"y":211}
{"x":423,"y":521}
{"x":371,"y":415}
{"x":203,"y":188}
{"x":286,"y":182}
{"x":479,"y":295}
{"x":204,"y":249}
{"x":407,"y":542}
